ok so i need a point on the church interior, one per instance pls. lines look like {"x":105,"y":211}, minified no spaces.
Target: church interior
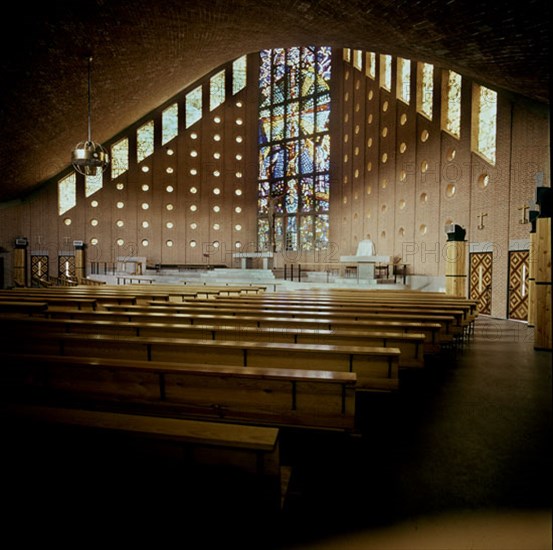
{"x":238,"y":172}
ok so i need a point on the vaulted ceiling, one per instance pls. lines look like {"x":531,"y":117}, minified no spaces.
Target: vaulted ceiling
{"x":146,"y":51}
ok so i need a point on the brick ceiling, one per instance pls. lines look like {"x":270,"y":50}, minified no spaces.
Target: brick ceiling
{"x":147,"y":51}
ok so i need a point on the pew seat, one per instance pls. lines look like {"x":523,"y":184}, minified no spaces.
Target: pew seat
{"x":250,"y":450}
{"x":300,"y":398}
{"x":411,"y":345}
{"x":377,"y":368}
{"x":22,"y":307}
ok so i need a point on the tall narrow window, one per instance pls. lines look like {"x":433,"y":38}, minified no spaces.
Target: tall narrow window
{"x":145,"y":141}
{"x":370,"y":65}
{"x":404,"y":79}
{"x":358,"y":59}
{"x":451,"y":103}
{"x":425,"y":89}
{"x":93,"y":184}
{"x":386,"y":72}
{"x":294,"y":148}
{"x":484,"y":122}
{"x":67,"y":193}
{"x":193,"y":106}
{"x":169,"y":123}
{"x":119,"y":158}
{"x":347,"y":54}
{"x":239,"y":74}
{"x":216,"y":90}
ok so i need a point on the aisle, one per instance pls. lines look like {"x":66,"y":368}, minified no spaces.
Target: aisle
{"x":468,"y":440}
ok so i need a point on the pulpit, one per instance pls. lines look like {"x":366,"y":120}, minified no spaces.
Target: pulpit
{"x":365,"y":260}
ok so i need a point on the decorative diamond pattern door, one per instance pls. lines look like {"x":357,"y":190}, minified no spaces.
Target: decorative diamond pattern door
{"x":66,"y":267}
{"x":39,"y":267}
{"x":518,"y":285}
{"x":481,"y":280}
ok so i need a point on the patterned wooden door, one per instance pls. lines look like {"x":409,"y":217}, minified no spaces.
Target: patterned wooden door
{"x":481,"y":280}
{"x":66,"y":267}
{"x":39,"y":268}
{"x":518,"y":285}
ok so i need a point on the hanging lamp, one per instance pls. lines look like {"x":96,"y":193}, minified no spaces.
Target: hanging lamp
{"x":88,"y":156}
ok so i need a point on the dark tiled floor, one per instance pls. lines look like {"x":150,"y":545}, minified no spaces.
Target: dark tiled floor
{"x":472,"y":435}
{"x":466,"y":444}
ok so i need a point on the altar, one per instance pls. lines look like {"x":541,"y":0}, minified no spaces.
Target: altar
{"x":246,"y":258}
{"x":365,"y":260}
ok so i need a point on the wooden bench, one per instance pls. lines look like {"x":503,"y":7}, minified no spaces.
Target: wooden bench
{"x":350,"y":304}
{"x":251,"y":450}
{"x":23,"y":307}
{"x":448,"y":323}
{"x":299,"y":398}
{"x":411,"y":345}
{"x":356,"y":310}
{"x":432,"y":331}
{"x":377,"y":368}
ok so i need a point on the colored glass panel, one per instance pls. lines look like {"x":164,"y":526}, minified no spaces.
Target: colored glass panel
{"x":291,"y":203}
{"x":404,"y":79}
{"x":453,"y":104}
{"x":169,"y":123}
{"x":216,"y":90}
{"x":145,"y":141}
{"x":67,"y":193}
{"x":425,"y":88}
{"x":193,"y":106}
{"x":386,"y":72}
{"x":306,"y":232}
{"x":294,"y":143}
{"x":239,"y":74}
{"x":370,"y":65}
{"x":93,"y":184}
{"x":119,"y":158}
{"x":292,"y":119}
{"x":487,"y":123}
{"x":307,"y":194}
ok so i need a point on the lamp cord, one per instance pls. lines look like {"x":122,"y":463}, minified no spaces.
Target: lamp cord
{"x":89,"y":116}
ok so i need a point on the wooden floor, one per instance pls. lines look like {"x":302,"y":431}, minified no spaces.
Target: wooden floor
{"x":459,"y":458}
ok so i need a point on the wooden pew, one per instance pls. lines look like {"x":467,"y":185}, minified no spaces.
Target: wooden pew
{"x":382,"y":296}
{"x":432,"y":331}
{"x":300,"y":398}
{"x":22,"y":307}
{"x":411,"y":345}
{"x":377,"y":368}
{"x":355,"y":310}
{"x":251,"y":450}
{"x":448,"y":323}
{"x":350,"y":303}
{"x":51,"y":300}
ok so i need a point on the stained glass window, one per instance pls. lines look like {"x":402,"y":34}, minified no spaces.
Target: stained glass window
{"x":119,"y":158}
{"x":425,"y":89}
{"x":404,"y":79}
{"x":193,"y":106}
{"x":294,"y":148}
{"x":239,"y":74}
{"x":386,"y":71}
{"x":216,"y":90}
{"x":93,"y":184}
{"x":485,"y":122}
{"x":358,"y":59}
{"x":169,"y":123}
{"x":451,"y":98}
{"x":145,"y":141}
{"x":370,"y":65}
{"x":67,"y":193}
